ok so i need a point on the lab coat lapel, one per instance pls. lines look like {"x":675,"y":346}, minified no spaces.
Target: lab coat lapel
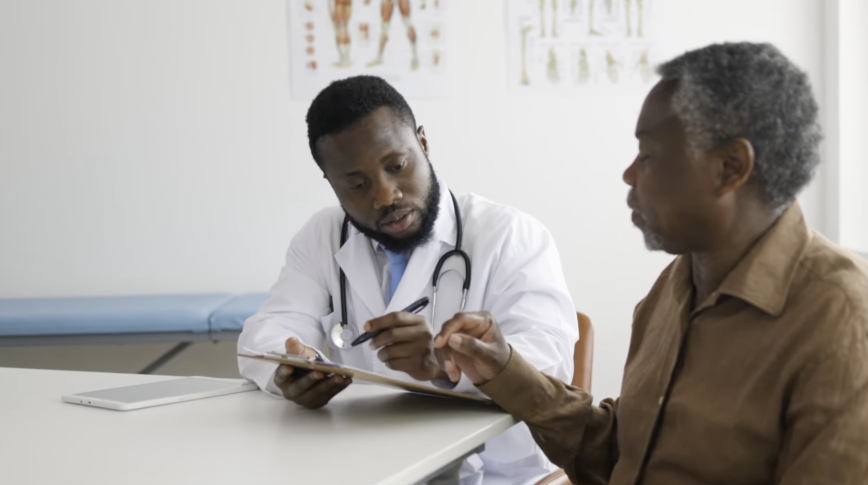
{"x":356,"y":258}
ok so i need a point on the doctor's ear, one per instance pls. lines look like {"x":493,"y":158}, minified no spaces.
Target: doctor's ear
{"x":423,"y":140}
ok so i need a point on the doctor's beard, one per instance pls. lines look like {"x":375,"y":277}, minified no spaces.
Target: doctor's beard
{"x":425,"y":232}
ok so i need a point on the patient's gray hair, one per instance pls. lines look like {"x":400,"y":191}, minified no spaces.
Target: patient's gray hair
{"x":748,"y":90}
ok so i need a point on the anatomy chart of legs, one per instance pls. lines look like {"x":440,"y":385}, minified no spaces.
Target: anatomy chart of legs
{"x":402,"y":41}
{"x":566,"y":46}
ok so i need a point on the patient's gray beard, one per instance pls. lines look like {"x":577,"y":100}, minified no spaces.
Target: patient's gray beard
{"x":653,"y":241}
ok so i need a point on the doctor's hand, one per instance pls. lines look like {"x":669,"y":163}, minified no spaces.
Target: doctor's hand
{"x":309,"y":389}
{"x":406,"y":344}
{"x":473,"y":345}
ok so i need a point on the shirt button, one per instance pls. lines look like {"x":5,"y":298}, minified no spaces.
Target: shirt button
{"x":660,"y":401}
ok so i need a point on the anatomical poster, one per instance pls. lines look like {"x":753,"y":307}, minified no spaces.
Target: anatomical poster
{"x":566,"y":46}
{"x":402,"y":41}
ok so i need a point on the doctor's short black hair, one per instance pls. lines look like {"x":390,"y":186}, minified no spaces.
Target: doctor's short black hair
{"x":345,"y":102}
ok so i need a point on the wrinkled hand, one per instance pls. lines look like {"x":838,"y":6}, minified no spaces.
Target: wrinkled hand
{"x":474,"y":346}
{"x":406,"y":344}
{"x":309,"y":389}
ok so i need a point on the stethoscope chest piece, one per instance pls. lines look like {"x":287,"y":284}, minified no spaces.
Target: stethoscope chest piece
{"x":342,"y":335}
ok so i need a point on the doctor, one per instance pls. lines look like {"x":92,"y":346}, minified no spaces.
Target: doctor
{"x":396,"y":220}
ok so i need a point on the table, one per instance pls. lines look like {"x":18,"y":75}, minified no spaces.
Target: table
{"x":366,"y":435}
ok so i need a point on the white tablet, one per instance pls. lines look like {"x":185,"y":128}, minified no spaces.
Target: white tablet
{"x":159,"y":393}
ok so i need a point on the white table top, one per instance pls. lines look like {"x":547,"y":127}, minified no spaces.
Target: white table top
{"x":367,"y":435}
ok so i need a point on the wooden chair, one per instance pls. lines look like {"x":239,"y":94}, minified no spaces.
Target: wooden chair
{"x":583,"y":362}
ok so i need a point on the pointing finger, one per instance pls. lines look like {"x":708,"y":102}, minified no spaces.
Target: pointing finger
{"x":474,"y":324}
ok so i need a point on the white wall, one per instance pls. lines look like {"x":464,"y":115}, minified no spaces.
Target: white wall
{"x":850,"y":82}
{"x":152,"y":147}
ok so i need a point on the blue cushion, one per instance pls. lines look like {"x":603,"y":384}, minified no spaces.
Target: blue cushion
{"x":230,"y":317}
{"x":108,"y":315}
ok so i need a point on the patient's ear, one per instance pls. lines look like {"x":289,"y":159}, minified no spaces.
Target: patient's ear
{"x":734,"y":164}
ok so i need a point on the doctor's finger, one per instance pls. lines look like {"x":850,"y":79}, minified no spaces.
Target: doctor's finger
{"x":310,"y":397}
{"x":326,"y":396}
{"x":294,"y":346}
{"x":282,"y":374}
{"x":399,"y":351}
{"x":473,"y":324}
{"x":398,"y":335}
{"x":404,"y":364}
{"x":396,"y":319}
{"x":294,"y":388}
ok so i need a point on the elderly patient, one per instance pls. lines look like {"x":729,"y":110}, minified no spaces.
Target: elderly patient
{"x":748,"y":362}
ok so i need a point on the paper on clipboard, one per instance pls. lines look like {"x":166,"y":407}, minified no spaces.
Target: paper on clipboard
{"x":358,"y":374}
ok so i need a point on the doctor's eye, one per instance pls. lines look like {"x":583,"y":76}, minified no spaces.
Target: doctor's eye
{"x":398,"y":166}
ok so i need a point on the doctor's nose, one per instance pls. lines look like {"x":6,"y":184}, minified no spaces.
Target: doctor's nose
{"x":386,"y":194}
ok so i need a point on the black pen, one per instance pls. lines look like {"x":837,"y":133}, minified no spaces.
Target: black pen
{"x":414,"y":307}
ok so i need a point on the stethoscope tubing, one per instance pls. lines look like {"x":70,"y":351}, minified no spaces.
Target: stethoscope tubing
{"x":459,"y":235}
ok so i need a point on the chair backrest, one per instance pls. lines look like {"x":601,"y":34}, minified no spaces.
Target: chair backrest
{"x":583,"y":357}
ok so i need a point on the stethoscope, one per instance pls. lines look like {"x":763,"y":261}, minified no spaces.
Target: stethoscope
{"x":342,"y":334}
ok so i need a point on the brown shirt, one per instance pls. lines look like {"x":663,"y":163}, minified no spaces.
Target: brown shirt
{"x":766,"y":382}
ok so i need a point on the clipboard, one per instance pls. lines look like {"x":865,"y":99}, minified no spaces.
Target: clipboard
{"x":360,"y":375}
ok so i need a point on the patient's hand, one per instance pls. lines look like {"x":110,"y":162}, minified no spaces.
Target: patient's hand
{"x":309,"y":389}
{"x":474,"y":346}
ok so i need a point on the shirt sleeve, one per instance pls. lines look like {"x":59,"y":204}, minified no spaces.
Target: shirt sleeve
{"x":574,"y":434}
{"x":295,"y":306}
{"x":826,"y":435}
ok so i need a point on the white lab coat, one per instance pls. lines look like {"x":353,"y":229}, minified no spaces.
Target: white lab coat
{"x":516,"y":275}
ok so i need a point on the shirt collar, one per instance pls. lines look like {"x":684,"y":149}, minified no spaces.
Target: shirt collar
{"x":763,"y":276}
